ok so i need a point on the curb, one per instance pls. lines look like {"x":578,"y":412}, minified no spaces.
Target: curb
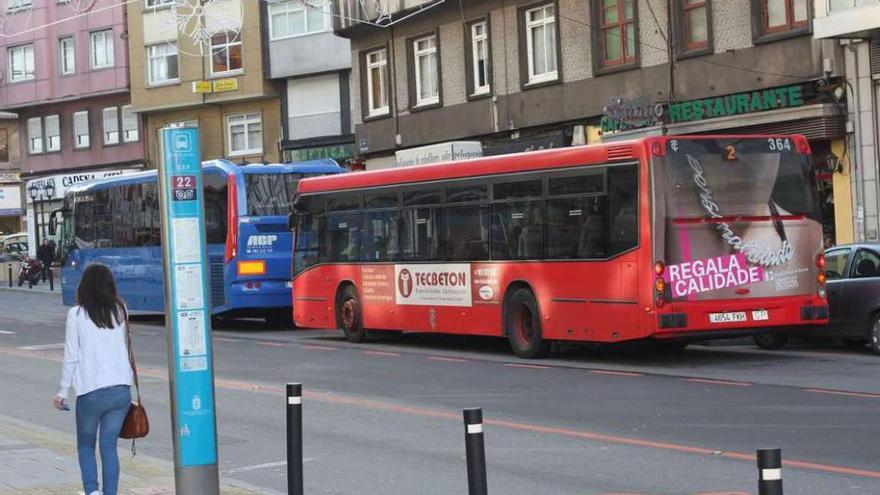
{"x":141,"y":475}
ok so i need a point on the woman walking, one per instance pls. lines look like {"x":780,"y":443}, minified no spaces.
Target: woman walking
{"x":96,"y":364}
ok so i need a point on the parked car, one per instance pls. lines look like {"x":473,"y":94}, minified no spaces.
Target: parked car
{"x":12,"y":247}
{"x":853,"y":273}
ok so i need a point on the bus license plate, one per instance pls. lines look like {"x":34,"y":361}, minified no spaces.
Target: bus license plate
{"x":760,"y":315}
{"x":727,"y":317}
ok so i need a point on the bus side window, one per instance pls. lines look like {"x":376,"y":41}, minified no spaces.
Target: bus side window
{"x":518,"y":230}
{"x":623,"y":186}
{"x":420,"y":233}
{"x":467,"y":233}
{"x":380,"y":236}
{"x":343,"y":239}
{"x":216,"y":205}
{"x":307,"y":242}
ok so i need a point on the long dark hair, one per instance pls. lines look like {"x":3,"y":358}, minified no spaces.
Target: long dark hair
{"x":97,"y":295}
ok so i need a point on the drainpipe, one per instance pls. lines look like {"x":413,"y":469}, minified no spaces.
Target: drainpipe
{"x":859,"y":189}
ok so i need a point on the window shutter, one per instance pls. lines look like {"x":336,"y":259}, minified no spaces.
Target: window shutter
{"x":875,"y":58}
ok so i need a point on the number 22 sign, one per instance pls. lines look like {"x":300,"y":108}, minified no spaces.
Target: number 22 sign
{"x":183,"y":187}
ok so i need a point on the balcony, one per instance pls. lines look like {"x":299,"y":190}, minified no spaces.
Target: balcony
{"x":846,"y":18}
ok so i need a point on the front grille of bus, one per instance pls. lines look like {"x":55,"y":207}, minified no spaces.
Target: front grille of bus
{"x":218,"y":281}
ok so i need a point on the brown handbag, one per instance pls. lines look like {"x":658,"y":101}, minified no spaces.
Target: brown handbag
{"x":136,"y":424}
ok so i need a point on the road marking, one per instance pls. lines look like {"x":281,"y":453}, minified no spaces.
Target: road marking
{"x":527,"y":366}
{"x":447,"y":359}
{"x":318,"y":347}
{"x":264,"y":466}
{"x":719,"y":382}
{"x":42,"y":347}
{"x":272,"y":344}
{"x":382,"y":353}
{"x":6,"y":332}
{"x":226,"y":339}
{"x":335,"y":398}
{"x":842,"y":392}
{"x":618,"y":373}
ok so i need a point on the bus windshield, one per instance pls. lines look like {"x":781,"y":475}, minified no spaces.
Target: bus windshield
{"x":735,"y":217}
{"x":271,"y":194}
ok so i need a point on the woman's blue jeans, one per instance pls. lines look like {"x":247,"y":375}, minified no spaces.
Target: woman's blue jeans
{"x":105,"y":410}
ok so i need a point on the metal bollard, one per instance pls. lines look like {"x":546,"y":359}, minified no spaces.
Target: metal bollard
{"x":769,"y":472}
{"x":294,"y":439}
{"x":51,"y":279}
{"x":9,"y":265}
{"x":475,"y":451}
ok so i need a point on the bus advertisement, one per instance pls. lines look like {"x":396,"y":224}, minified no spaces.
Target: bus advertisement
{"x":674,"y":239}
{"x":116,"y":222}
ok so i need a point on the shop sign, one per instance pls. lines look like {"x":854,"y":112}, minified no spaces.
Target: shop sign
{"x":338,"y":152}
{"x":10,"y":177}
{"x":10,"y":200}
{"x":221,"y":85}
{"x":623,"y":114}
{"x":550,"y":141}
{"x":436,"y":153}
{"x":63,"y":182}
{"x":202,"y":87}
{"x":736,"y":104}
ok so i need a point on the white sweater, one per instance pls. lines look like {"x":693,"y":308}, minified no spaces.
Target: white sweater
{"x":93,"y":357}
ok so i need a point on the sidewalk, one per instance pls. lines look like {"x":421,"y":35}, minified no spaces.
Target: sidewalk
{"x":42,"y":287}
{"x":38,"y":461}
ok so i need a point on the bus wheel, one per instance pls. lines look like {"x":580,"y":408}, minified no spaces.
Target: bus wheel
{"x":771,"y":341}
{"x":522,"y":322}
{"x":350,"y":315}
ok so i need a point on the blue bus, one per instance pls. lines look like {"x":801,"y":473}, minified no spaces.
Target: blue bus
{"x":116,"y":221}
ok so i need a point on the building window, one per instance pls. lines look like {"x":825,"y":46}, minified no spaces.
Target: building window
{"x":295,"y":18}
{"x":540,"y":28}
{"x":158,"y":3}
{"x":130,"y":127}
{"x":67,"y":55}
{"x":783,"y":15}
{"x":81,"y":129}
{"x":35,"y":135}
{"x":162,"y":63}
{"x":479,"y":58}
{"x":695,"y":29}
{"x":617,"y":32}
{"x":225,"y":52}
{"x":21,"y":63}
{"x":102,"y":49}
{"x":53,"y":133}
{"x":426,"y":71}
{"x":16,"y":5}
{"x":111,"y":125}
{"x":245,"y":134}
{"x":377,"y":82}
{"x":4,"y":144}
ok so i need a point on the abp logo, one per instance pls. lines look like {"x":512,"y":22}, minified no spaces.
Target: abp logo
{"x":405,"y":283}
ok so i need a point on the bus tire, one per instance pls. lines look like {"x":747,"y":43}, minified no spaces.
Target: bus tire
{"x":771,"y":341}
{"x":522,"y":321}
{"x":349,"y":315}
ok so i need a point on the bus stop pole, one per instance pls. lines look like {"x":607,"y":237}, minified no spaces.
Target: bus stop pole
{"x":187,"y":313}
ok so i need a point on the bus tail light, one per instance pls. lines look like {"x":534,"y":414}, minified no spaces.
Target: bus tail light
{"x":257,"y":267}
{"x":231,"y":218}
{"x":659,"y":284}
{"x":821,"y":278}
{"x":820,"y":261}
{"x":803,"y":146}
{"x":659,"y":268}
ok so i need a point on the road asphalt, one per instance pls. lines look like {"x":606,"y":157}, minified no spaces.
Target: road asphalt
{"x":385,"y":417}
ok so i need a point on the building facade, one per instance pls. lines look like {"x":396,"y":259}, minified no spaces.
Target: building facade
{"x":524,"y":75}
{"x":200,"y":63}
{"x":66,"y":80}
{"x":312,"y":68}
{"x":855,"y":25}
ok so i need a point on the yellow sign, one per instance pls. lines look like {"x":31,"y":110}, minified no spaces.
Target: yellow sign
{"x":201,"y":86}
{"x":221,"y":85}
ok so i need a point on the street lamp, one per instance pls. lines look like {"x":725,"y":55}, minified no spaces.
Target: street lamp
{"x":34,"y":192}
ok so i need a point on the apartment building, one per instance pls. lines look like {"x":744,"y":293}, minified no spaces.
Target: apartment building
{"x":312,"y":67}
{"x":200,"y":63}
{"x":65,"y":81}
{"x":520,"y":75}
{"x":855,"y":26}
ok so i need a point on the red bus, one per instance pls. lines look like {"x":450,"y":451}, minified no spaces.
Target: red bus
{"x":675,"y":238}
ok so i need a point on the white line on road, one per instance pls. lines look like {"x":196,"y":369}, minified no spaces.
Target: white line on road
{"x":6,"y":332}
{"x":264,"y":466}
{"x":42,"y":347}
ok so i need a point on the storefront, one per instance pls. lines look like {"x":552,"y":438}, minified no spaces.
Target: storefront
{"x":10,"y":204}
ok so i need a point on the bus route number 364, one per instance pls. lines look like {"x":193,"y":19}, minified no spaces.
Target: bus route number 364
{"x":183,"y":187}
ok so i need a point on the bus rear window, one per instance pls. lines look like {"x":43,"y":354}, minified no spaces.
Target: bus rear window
{"x":271,"y":194}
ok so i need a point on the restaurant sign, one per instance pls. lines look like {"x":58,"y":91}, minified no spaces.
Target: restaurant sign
{"x":623,"y":114}
{"x":736,"y":104}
